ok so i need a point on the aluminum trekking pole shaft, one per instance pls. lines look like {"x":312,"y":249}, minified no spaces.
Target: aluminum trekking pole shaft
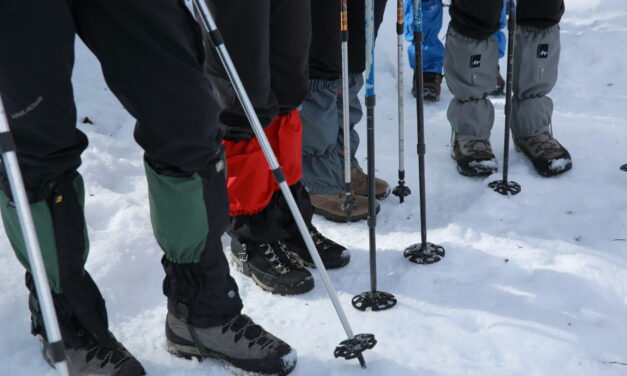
{"x":511,"y":29}
{"x":348,"y":205}
{"x":218,"y":42}
{"x":370,"y":104}
{"x":37,"y":268}
{"x":504,"y":186}
{"x":423,"y":252}
{"x":373,"y":299}
{"x":401,"y":190}
{"x":418,"y":35}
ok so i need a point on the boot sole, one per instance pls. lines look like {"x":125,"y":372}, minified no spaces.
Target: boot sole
{"x":191,"y":351}
{"x":300,"y":288}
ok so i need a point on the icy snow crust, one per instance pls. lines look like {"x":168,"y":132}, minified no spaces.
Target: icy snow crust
{"x":531,"y":285}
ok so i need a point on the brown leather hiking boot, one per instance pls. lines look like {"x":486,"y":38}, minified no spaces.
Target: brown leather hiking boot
{"x":329,"y":206}
{"x":359,"y":180}
{"x":474,"y":157}
{"x":548,"y":156}
{"x":431,"y":86}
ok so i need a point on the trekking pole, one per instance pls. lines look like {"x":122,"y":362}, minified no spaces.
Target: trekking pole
{"x":373,"y":299}
{"x":400,"y":190}
{"x":355,"y":345}
{"x":423,"y":252}
{"x":348,"y":204}
{"x":505,"y":187}
{"x":37,"y":269}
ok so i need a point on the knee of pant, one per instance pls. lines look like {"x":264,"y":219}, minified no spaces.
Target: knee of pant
{"x":60,"y":226}
{"x":250,"y":181}
{"x":470,"y":65}
{"x":536,"y":61}
{"x":187,"y":210}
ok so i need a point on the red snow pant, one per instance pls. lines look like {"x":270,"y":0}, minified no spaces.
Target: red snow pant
{"x":250,"y":181}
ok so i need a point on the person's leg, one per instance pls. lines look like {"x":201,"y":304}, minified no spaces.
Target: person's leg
{"x":37,"y":93}
{"x":432,"y":50}
{"x":322,"y":165}
{"x":357,"y":65}
{"x":156,"y":70}
{"x":181,"y":144}
{"x":536,"y":60}
{"x":470,"y":66}
{"x":322,"y":155}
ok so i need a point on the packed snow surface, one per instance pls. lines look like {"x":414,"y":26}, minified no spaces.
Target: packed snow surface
{"x":534,"y":284}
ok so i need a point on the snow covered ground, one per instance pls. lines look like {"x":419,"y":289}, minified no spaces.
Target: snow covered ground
{"x":531,"y":285}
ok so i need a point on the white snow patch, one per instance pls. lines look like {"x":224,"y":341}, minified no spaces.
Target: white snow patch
{"x":559,"y":164}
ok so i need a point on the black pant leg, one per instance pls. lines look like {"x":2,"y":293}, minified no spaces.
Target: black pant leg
{"x":36,"y":60}
{"x":357,"y":32}
{"x":477,"y":19}
{"x":290,"y":36}
{"x":325,"y":52}
{"x":539,"y":13}
{"x":152,"y":58}
{"x":245,"y":27}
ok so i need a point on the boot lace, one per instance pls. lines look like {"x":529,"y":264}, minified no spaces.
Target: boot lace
{"x":478,"y":148}
{"x":544,"y":143}
{"x":244,"y":327}
{"x":322,"y":243}
{"x":282,"y":262}
{"x":105,"y":354}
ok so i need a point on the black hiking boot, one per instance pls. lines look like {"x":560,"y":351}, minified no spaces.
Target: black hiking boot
{"x":112,"y":359}
{"x":548,"y":156}
{"x":240,"y":343}
{"x":474,"y":157}
{"x":272,"y":267}
{"x":332,"y":254}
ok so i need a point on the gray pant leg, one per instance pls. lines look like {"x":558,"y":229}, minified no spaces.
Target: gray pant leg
{"x":322,"y":161}
{"x":536,"y":57}
{"x":470,"y":68}
{"x":355,"y":83}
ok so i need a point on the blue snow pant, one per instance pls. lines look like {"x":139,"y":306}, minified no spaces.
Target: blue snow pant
{"x":432,"y":47}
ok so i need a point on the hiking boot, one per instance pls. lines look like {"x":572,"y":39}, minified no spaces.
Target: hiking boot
{"x":499,"y":90}
{"x":332,"y":254}
{"x":97,"y":359}
{"x":431,"y":86}
{"x":240,"y":343}
{"x":330,"y":207}
{"x":359,"y":180}
{"x":548,"y":156}
{"x":474,"y":157}
{"x":272,"y":267}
